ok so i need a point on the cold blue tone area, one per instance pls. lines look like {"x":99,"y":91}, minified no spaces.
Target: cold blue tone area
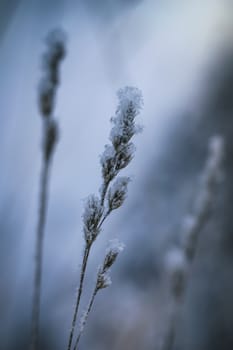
{"x":179,"y":54}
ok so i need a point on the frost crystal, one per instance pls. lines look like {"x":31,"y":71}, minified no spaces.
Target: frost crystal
{"x":117,"y":193}
{"x":92,"y":214}
{"x":107,"y":160}
{"x":124,"y":156}
{"x":115,"y":247}
{"x":129,"y":95}
{"x":118,"y":155}
{"x":130,"y":104}
{"x":83,"y":320}
{"x":103,"y":280}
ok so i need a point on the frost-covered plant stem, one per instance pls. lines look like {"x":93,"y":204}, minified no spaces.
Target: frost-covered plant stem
{"x":180,"y":258}
{"x":80,"y":289}
{"x":48,"y":87}
{"x":91,"y":302}
{"x":115,"y":157}
{"x":103,"y":280}
{"x":86,"y":254}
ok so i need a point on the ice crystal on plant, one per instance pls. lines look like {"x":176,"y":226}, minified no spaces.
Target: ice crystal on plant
{"x":103,"y":277}
{"x":116,"y":156}
{"x":115,"y":247}
{"x":91,"y":217}
{"x":103,"y":280}
{"x":117,"y":193}
{"x":128,"y":95}
{"x":124,"y":127}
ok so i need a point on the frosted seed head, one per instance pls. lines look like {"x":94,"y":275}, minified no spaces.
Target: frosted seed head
{"x":130,"y":96}
{"x":107,"y":161}
{"x":91,"y":217}
{"x":125,"y":154}
{"x":130,"y":104}
{"x":115,"y":247}
{"x":103,"y":280}
{"x":117,"y":193}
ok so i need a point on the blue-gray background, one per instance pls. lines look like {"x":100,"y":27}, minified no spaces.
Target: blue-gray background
{"x":179,"y":54}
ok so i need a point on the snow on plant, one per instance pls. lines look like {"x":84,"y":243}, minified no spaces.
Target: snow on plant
{"x":113,"y":191}
{"x":103,"y":281}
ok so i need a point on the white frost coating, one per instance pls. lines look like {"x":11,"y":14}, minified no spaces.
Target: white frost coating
{"x":106,"y":279}
{"x":117,"y":193}
{"x":120,"y":185}
{"x":91,"y":217}
{"x":83,"y":320}
{"x":129,"y":95}
{"x":130,"y":104}
{"x":92,"y":208}
{"x":116,"y":246}
{"x":108,"y":154}
{"x":103,"y":280}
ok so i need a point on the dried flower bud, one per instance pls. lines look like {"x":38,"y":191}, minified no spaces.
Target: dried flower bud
{"x":50,"y":138}
{"x":117,"y":193}
{"x":91,"y":218}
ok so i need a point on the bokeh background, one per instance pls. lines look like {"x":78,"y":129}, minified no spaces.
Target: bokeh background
{"x":180,"y":54}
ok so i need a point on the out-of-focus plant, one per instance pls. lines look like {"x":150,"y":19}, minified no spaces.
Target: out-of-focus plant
{"x":47,"y":92}
{"x":179,"y":258}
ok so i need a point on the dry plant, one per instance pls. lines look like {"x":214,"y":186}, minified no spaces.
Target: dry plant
{"x":113,"y":191}
{"x":179,"y":259}
{"x":47,"y":93}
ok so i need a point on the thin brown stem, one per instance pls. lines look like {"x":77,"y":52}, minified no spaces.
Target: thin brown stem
{"x":43,"y":202}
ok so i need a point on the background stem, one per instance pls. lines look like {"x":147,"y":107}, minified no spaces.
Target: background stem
{"x":43,"y":202}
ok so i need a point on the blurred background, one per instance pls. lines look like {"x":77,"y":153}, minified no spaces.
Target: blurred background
{"x":180,"y":54}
